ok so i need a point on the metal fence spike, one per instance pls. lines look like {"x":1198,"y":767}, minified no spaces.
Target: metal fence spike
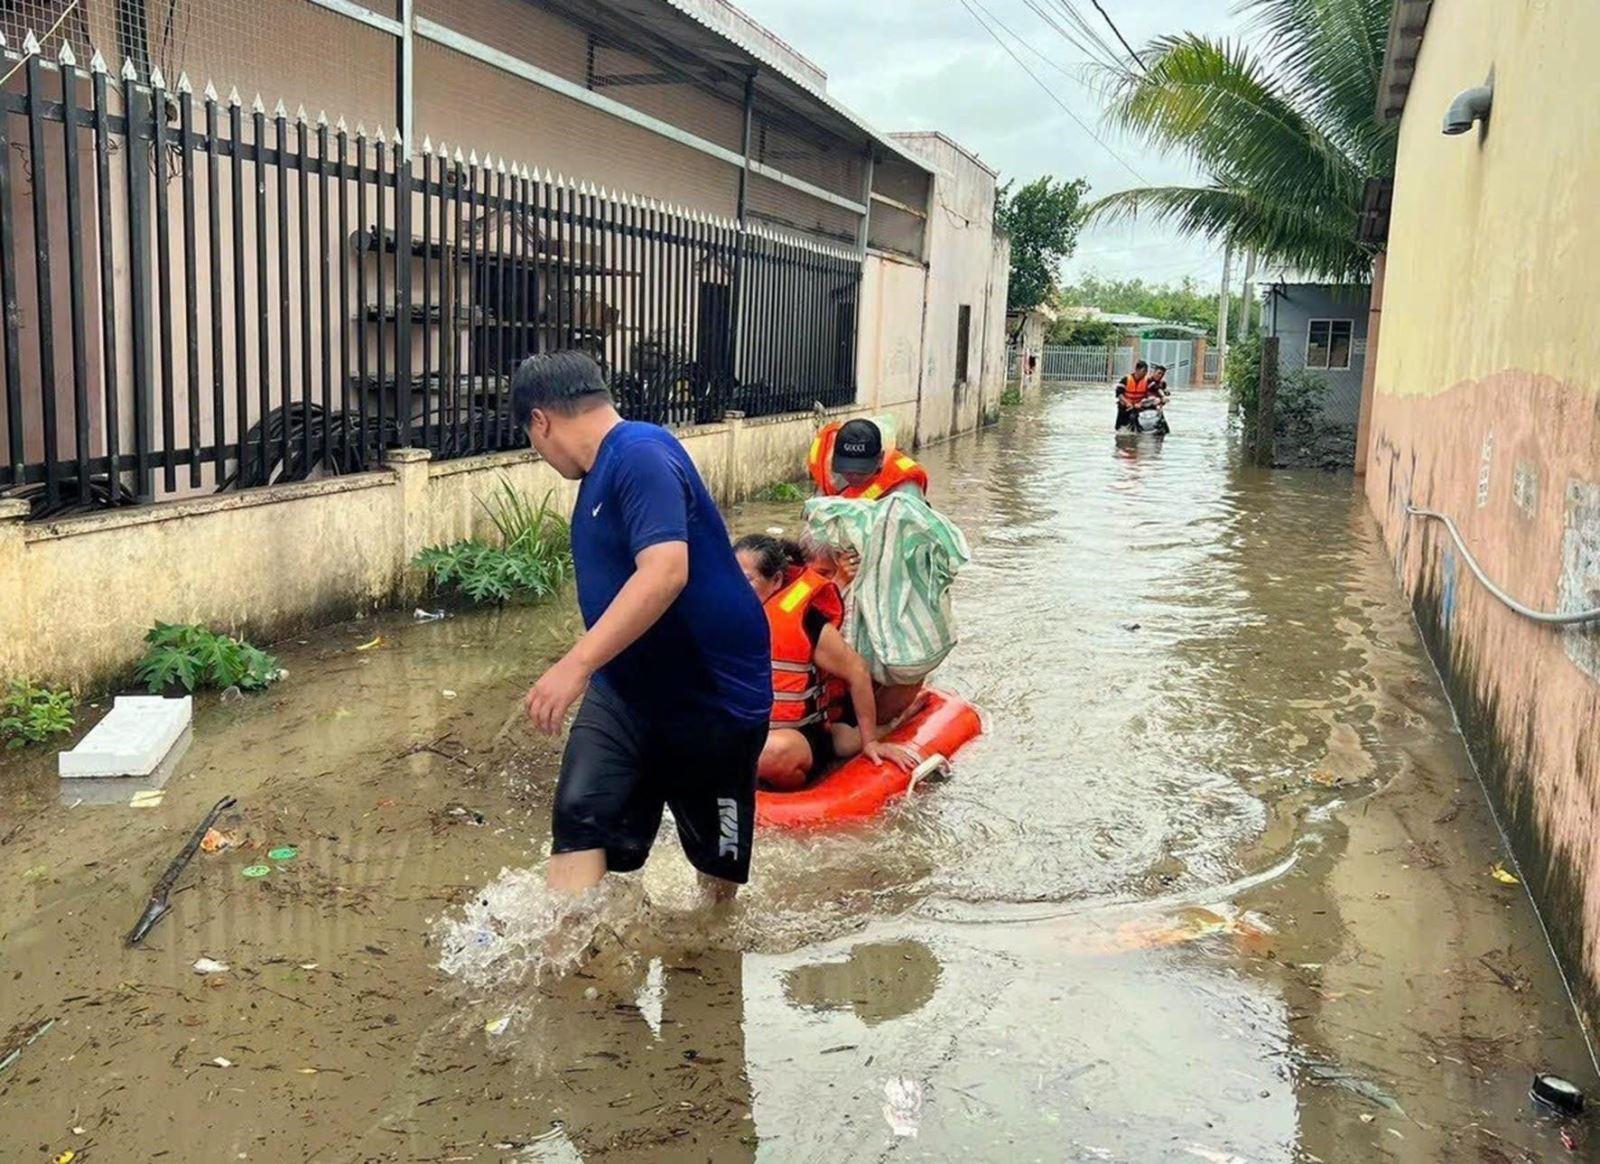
{"x":501,"y":164}
{"x":129,"y":73}
{"x":472,"y":159}
{"x":280,"y":110}
{"x":97,"y":63}
{"x":427,"y":144}
{"x":233,"y":96}
{"x":397,"y":142}
{"x":322,"y":119}
{"x":184,"y":84}
{"x":460,"y":159}
{"x":65,"y":57}
{"x":4,"y":43}
{"x":300,"y":115}
{"x":258,"y":106}
{"x":341,"y":126}
{"x":30,"y":44}
{"x":210,"y":93}
{"x":361,"y":129}
{"x":157,"y":81}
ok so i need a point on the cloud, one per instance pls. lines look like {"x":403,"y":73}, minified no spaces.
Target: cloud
{"x":930,"y":64}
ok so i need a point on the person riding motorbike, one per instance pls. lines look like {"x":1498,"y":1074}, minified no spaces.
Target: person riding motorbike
{"x":1131,"y":392}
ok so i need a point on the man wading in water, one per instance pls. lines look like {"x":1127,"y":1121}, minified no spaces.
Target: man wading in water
{"x":675,"y":666}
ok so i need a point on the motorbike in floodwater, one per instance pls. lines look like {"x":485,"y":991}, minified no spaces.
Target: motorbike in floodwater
{"x":1148,"y":418}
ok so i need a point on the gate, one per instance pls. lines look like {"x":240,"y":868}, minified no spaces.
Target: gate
{"x":1177,"y":356}
{"x":1077,"y":363}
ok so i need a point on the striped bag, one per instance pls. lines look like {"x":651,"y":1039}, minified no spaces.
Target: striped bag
{"x":897,"y":611}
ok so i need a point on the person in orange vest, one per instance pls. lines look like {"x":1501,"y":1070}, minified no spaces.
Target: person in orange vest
{"x":811,"y":662}
{"x":848,"y":460}
{"x":1131,"y":392}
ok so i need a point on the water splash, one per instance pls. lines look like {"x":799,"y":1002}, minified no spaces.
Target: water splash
{"x":516,"y":929}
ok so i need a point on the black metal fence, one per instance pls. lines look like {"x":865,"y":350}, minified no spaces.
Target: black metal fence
{"x":199,"y":295}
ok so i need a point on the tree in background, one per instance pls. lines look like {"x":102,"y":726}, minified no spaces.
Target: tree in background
{"x":1183,"y":302}
{"x":1043,"y":219}
{"x":1287,"y":138}
{"x":1085,"y":333}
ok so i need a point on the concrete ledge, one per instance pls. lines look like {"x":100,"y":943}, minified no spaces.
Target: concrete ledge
{"x":116,"y":519}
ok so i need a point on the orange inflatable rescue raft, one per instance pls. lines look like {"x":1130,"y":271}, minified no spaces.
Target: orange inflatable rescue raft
{"x":859,"y":788}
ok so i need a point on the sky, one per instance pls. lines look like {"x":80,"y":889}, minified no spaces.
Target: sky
{"x":930,"y":64}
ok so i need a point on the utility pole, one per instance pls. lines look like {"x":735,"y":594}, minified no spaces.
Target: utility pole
{"x":1246,"y":312}
{"x":1224,"y":304}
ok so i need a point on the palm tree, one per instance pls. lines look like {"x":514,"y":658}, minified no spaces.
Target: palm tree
{"x":1287,"y":135}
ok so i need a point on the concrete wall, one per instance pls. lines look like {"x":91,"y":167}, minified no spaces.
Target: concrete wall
{"x":1290,"y":311}
{"x":968,"y":266}
{"x":1486,"y":406}
{"x":268,"y":563}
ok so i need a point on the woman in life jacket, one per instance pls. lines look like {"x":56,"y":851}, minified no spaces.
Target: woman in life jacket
{"x":813,"y":668}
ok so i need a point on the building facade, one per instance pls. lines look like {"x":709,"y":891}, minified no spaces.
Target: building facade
{"x":1485,"y":410}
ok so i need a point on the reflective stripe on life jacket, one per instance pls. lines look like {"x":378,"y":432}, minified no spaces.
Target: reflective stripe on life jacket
{"x":797,"y":686}
{"x":898,"y":468}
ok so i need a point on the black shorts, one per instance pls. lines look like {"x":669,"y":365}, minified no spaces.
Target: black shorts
{"x":820,"y":740}
{"x":619,"y":770}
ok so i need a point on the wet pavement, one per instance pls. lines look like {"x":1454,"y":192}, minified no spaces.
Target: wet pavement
{"x":1215,"y":887}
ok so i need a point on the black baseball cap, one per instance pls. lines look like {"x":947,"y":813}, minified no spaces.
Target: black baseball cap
{"x":858,"y":448}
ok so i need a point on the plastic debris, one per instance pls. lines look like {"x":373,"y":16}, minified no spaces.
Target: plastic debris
{"x":283,"y":853}
{"x":498,"y":1026}
{"x":1555,"y":1094}
{"x":447,"y":693}
{"x":307,"y":1071}
{"x":421,"y":615}
{"x":1503,"y":875}
{"x":216,"y":840}
{"x":1130,"y":626}
{"x":903,"y":1105}
{"x":230,"y":694}
{"x":210,"y":966}
{"x":219,"y":1061}
{"x":591,"y":993}
{"x":255,"y":871}
{"x":308,"y":965}
{"x":66,"y":1157}
{"x":37,"y":873}
{"x":374,"y":641}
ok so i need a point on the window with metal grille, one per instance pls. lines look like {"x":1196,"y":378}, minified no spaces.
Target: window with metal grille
{"x":963,"y":341}
{"x":1328,"y":343}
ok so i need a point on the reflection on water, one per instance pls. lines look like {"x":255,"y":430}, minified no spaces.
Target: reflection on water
{"x":876,"y":981}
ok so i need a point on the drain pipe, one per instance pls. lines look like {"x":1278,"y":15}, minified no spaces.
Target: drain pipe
{"x":1528,"y":612}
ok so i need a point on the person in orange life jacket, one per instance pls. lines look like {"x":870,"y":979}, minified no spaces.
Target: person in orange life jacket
{"x":848,"y":460}
{"x":1131,"y":392}
{"x":804,"y":610}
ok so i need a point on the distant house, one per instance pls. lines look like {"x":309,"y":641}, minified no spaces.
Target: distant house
{"x":1322,"y":328}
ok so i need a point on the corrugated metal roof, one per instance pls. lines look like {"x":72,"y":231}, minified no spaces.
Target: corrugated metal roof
{"x":783,"y":71}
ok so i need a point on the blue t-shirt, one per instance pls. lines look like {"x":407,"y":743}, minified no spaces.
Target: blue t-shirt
{"x":711,"y":651}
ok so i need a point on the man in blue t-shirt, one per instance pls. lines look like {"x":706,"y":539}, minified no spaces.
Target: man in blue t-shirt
{"x":675,"y":666}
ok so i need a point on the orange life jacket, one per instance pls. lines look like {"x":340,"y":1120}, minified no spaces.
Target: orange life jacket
{"x":799,"y":690}
{"x":1135,"y":390}
{"x":898,"y":468}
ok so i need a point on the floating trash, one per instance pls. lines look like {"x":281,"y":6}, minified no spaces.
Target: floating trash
{"x":210,"y":966}
{"x":255,"y":870}
{"x":283,"y":853}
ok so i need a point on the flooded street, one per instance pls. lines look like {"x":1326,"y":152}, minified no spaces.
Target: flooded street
{"x":1215,"y":886}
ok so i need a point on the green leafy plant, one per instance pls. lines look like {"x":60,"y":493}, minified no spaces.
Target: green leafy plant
{"x":781,"y":491}
{"x":31,"y":714}
{"x":182,"y":654}
{"x":1011,"y":394}
{"x":533,"y":559}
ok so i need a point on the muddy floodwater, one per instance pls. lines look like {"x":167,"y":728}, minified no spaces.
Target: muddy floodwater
{"x":1216,"y":886}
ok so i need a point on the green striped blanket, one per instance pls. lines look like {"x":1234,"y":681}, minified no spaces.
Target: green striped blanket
{"x":897,"y":611}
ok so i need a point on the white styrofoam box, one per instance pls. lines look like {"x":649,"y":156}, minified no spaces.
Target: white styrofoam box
{"x":132,"y":740}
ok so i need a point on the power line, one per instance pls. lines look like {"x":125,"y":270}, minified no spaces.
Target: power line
{"x":1051,"y":93}
{"x":1101,"y":10}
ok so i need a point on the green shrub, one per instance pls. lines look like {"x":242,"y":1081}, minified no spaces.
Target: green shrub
{"x":30,"y":714}
{"x":193,"y":656}
{"x":533,"y":559}
{"x":781,"y":491}
{"x":1242,"y":374}
{"x":1011,"y":394}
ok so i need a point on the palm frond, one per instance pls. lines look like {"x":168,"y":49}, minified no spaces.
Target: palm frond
{"x":1306,"y":236}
